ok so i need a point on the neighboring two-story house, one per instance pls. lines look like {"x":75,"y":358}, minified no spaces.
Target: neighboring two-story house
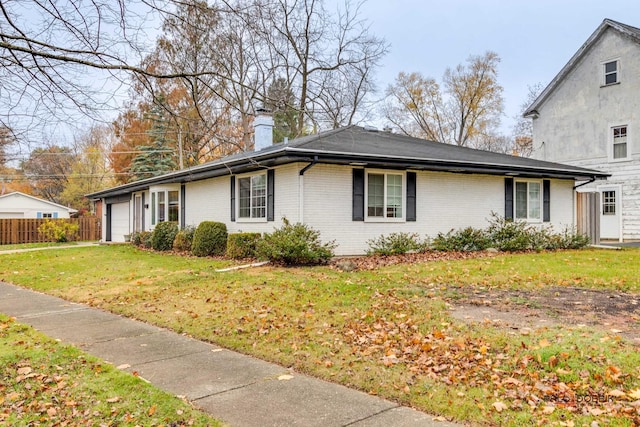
{"x":589,"y":116}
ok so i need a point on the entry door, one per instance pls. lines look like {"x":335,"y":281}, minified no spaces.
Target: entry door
{"x":610,"y":212}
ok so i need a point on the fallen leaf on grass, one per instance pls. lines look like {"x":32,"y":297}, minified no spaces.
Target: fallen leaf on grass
{"x":113,"y":399}
{"x":634,"y":394}
{"x":151,"y":411}
{"x":499,"y":406}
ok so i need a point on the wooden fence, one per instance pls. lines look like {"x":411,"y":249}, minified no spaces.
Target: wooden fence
{"x":588,"y":216}
{"x":13,"y":231}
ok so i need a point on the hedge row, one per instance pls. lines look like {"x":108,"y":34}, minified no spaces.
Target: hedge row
{"x":295,"y":244}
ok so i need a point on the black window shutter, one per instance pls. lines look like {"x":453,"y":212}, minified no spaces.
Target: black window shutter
{"x":270,"y":194}
{"x":358,"y":195}
{"x":183,"y":196}
{"x":411,"y":196}
{"x":546,"y":200}
{"x":233,"y":198}
{"x":508,"y":198}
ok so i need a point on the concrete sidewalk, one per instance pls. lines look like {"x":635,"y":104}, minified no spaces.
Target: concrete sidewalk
{"x":238,"y":389}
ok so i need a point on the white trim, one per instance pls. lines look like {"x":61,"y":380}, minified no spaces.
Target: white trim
{"x":603,"y":64}
{"x":619,"y":195}
{"x":154,"y":203}
{"x":541,"y":200}
{"x":250,"y":219}
{"x":610,"y":141}
{"x":403,"y":204}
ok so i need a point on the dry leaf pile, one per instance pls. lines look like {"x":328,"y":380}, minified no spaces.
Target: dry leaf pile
{"x":536,"y":376}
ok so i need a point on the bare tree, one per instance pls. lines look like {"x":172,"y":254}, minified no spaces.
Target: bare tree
{"x":318,"y":52}
{"x":465,"y":111}
{"x":523,"y":128}
{"x":476,"y":102}
{"x":415,"y":106}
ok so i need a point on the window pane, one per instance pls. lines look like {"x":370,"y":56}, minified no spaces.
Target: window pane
{"x":394,"y":196}
{"x":619,"y":151}
{"x":521,"y":200}
{"x":259,"y":196}
{"x":608,"y":202}
{"x":534,"y":200}
{"x":611,"y":72}
{"x":610,"y":67}
{"x":375,"y":195}
{"x":161,"y":207}
{"x":174,"y":206}
{"x":244,"y":197}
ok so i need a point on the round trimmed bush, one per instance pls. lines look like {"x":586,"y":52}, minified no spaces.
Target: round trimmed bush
{"x":210,"y":238}
{"x":163,"y":236}
{"x":184,"y":239}
{"x":242,"y":245}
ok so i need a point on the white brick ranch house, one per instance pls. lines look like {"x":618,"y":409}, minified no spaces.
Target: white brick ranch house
{"x":352,"y":185}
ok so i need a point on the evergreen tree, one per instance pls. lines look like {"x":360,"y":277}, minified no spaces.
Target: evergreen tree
{"x":156,"y":158}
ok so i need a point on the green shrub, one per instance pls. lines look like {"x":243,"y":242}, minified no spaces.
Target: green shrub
{"x":58,"y":230}
{"x":509,"y":235}
{"x":568,"y":238}
{"x":210,"y":238}
{"x":163,"y":236}
{"x":295,"y":244}
{"x":396,"y":243}
{"x":242,"y":245}
{"x":142,"y":239}
{"x":184,"y":239}
{"x":466,"y":240}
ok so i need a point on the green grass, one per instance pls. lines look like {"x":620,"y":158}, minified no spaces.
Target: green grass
{"x":386,"y":331}
{"x":43,"y":382}
{"x":10,"y":247}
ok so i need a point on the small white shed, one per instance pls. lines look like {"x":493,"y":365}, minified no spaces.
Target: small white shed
{"x":20,"y":205}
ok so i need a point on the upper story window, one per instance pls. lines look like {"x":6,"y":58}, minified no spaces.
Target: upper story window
{"x":611,"y":72}
{"x":385,"y":196}
{"x":252,"y":196}
{"x":528,"y":200}
{"x":619,"y":138}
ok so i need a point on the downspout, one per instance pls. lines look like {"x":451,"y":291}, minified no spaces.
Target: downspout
{"x":593,"y":178}
{"x":301,"y":189}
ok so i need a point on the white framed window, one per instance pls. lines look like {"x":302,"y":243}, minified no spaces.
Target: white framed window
{"x":611,"y":72}
{"x":165,"y":206}
{"x":384,"y":195}
{"x":609,"y":202}
{"x":252,"y":197}
{"x":528,"y":200}
{"x":47,"y":215}
{"x":619,"y":142}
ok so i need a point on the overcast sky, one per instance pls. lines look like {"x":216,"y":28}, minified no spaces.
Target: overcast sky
{"x":534,"y":39}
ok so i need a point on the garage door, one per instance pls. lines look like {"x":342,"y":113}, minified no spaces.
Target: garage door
{"x":119,"y":221}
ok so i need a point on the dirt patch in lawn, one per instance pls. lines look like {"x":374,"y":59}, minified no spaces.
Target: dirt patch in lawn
{"x":612,"y":312}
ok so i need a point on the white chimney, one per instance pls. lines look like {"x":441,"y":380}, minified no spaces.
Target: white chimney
{"x":263,"y":130}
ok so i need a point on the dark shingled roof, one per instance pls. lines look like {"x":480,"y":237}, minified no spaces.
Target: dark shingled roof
{"x":358,"y":146}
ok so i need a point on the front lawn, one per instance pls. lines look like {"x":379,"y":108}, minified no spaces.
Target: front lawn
{"x":43,"y":382}
{"x":386,"y":331}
